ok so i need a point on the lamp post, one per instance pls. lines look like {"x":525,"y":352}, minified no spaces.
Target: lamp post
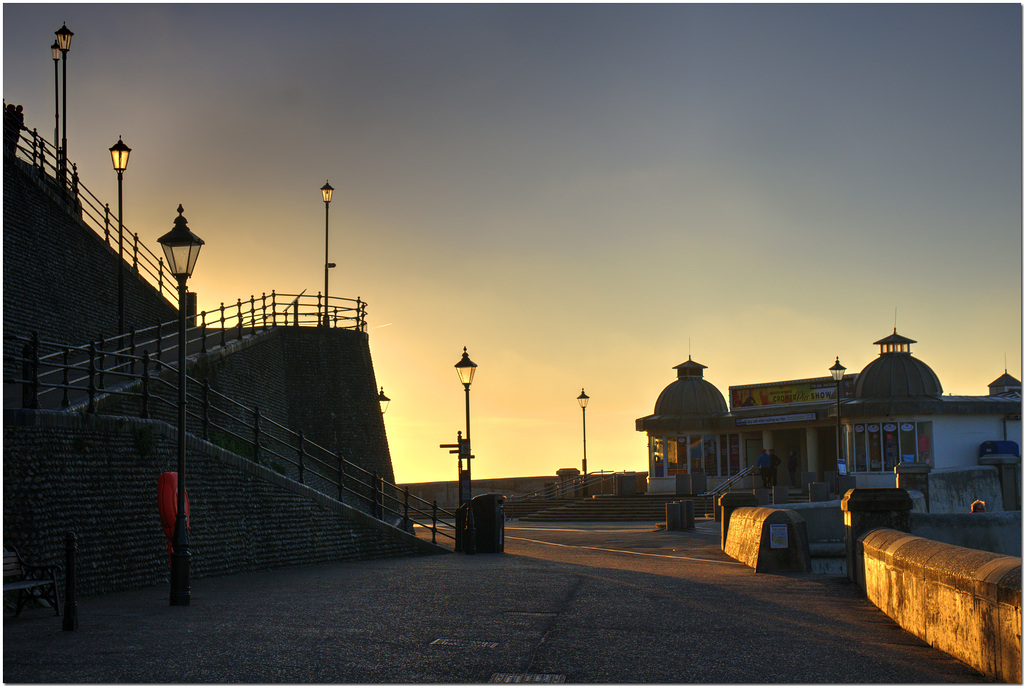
{"x":466,"y":369}
{"x":181,"y":248}
{"x":119,"y":153}
{"x":55,"y":51}
{"x":327,"y":192}
{"x":383,"y":400}
{"x":837,"y":371}
{"x":583,"y":400}
{"x":64,"y":35}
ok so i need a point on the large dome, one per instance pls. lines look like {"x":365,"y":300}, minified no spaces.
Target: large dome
{"x":690,"y":394}
{"x":896,"y":374}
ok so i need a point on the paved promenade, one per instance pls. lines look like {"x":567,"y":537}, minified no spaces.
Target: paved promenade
{"x":571,"y":602}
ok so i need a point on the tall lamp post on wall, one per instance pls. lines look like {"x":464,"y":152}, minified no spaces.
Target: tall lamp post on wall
{"x":64,"y":35}
{"x":837,"y":371}
{"x":466,"y":369}
{"x":327,"y":192}
{"x":583,"y":399}
{"x":383,"y":400}
{"x":119,"y":153}
{"x":181,"y":249}
{"x":55,"y":51}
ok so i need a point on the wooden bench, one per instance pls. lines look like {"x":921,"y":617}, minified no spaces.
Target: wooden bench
{"x":30,"y":581}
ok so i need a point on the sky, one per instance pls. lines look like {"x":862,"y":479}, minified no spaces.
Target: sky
{"x":582,"y":195}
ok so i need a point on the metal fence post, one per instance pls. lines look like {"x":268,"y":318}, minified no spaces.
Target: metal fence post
{"x":302,"y":455}
{"x":159,"y":340}
{"x":30,"y":375}
{"x":92,"y":377}
{"x":131,"y":351}
{"x":102,"y":384}
{"x":144,"y":412}
{"x":378,"y":499}
{"x":202,"y":348}
{"x":222,"y":325}
{"x":206,"y":409}
{"x":405,"y":516}
{"x":273,"y":306}
{"x":239,"y":319}
{"x":106,"y":223}
{"x":341,"y":479}
{"x":433,"y":524}
{"x":256,"y":433}
{"x":65,"y":358}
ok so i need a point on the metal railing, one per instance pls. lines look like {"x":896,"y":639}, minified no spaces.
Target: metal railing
{"x":143,"y":385}
{"x":42,"y":161}
{"x":67,"y":375}
{"x":726,"y":485}
{"x":574,"y":485}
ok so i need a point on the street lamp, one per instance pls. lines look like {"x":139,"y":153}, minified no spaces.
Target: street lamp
{"x":119,"y":153}
{"x":64,"y":35}
{"x":327,"y":192}
{"x":837,"y":371}
{"x":583,"y":400}
{"x":383,"y":400}
{"x":181,"y":249}
{"x":466,"y":369}
{"x":55,"y":50}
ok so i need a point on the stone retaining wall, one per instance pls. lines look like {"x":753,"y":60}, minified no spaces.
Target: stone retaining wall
{"x":97,"y":475}
{"x":964,"y":602}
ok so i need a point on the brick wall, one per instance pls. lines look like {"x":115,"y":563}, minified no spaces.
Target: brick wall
{"x":60,"y":277}
{"x":97,"y":476}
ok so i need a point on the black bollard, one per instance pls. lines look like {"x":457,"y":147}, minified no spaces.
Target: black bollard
{"x":70,"y":594}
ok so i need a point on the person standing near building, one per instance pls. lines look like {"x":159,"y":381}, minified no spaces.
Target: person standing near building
{"x":773,"y":467}
{"x":764,"y":465}
{"x":793,"y":464}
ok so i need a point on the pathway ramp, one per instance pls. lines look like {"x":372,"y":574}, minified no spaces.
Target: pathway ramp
{"x":586,"y":603}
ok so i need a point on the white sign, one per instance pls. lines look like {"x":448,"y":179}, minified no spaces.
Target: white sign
{"x":778,"y":535}
{"x":804,"y":417}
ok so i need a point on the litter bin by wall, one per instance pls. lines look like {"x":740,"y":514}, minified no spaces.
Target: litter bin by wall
{"x":673,"y":518}
{"x":489,"y":517}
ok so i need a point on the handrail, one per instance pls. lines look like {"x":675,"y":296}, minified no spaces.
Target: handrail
{"x":724,"y":486}
{"x":43,"y":159}
{"x":205,"y":331}
{"x":575,"y":483}
{"x":221,"y":416}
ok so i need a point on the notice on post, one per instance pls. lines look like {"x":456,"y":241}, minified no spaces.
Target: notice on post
{"x":778,"y":535}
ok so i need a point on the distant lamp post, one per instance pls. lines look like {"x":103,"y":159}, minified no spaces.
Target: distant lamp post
{"x":181,"y":249}
{"x":583,"y":400}
{"x":837,"y":371}
{"x":466,"y":369}
{"x":55,"y":50}
{"x":119,"y":153}
{"x":383,"y":400}
{"x":327,"y":193}
{"x":64,"y":35}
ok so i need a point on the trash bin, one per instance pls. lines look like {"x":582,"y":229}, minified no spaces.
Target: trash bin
{"x":489,"y":518}
{"x":673,"y":517}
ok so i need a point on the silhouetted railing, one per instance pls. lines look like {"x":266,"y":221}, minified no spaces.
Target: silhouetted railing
{"x":66,"y":375}
{"x":143,"y":385}
{"x":41,"y":157}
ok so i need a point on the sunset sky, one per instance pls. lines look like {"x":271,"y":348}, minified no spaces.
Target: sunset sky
{"x":582,"y":195}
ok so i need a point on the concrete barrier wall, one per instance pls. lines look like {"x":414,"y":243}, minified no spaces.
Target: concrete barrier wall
{"x":954,"y":490}
{"x":752,"y":541}
{"x":995,"y":532}
{"x":824,"y":520}
{"x":964,"y":602}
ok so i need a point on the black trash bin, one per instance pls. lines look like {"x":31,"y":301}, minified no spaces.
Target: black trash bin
{"x":489,"y":518}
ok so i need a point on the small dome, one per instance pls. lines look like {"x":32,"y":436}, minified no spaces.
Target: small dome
{"x":690,"y":394}
{"x":897,"y":374}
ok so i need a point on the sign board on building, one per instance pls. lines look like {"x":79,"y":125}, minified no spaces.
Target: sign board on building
{"x":789,"y":392}
{"x":782,"y":418}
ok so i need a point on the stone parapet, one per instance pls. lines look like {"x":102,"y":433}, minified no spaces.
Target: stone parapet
{"x":979,"y":594}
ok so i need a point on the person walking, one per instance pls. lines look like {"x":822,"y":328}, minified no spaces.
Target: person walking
{"x":764,"y":465}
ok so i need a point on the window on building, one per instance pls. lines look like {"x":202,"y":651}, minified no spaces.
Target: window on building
{"x":879,"y":447}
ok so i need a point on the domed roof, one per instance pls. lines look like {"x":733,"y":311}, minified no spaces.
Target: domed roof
{"x":896,"y":374}
{"x":690,"y":394}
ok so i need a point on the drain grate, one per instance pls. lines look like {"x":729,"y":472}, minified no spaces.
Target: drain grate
{"x":463,"y":643}
{"x":507,"y":678}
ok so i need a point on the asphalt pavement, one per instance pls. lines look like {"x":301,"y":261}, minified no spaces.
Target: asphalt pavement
{"x":583,"y":603}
